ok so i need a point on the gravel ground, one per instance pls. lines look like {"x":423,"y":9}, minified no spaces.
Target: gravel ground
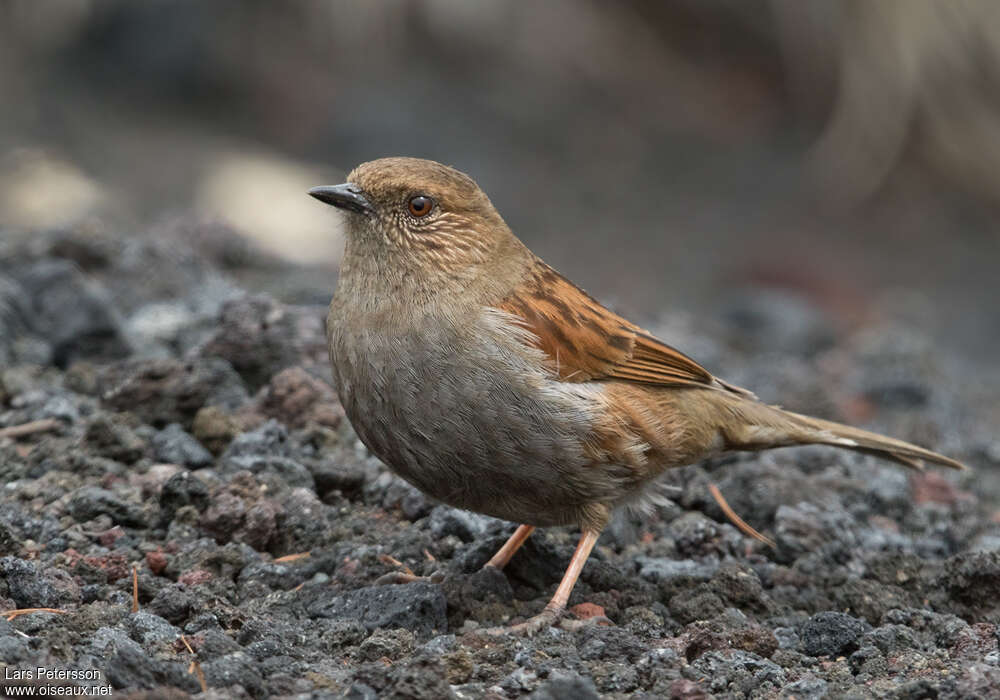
{"x":189,"y":433}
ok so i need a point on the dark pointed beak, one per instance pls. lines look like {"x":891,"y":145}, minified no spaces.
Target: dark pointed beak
{"x":346,"y":196}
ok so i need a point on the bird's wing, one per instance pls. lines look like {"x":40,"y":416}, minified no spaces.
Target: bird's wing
{"x":587,"y":342}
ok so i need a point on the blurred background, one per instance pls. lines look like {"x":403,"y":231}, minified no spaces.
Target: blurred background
{"x":665,"y":155}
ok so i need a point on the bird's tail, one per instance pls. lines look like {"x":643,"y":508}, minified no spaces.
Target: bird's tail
{"x":760,"y":426}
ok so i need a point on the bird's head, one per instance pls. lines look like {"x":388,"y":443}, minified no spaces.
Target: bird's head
{"x":418,"y":217}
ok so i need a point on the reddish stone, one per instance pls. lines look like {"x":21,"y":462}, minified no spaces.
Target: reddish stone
{"x":108,"y":537}
{"x":194,"y":577}
{"x":932,"y":487}
{"x":683,"y":689}
{"x":585,"y":611}
{"x":156,"y":561}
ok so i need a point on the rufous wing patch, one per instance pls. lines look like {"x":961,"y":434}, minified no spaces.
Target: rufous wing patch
{"x":585,"y":341}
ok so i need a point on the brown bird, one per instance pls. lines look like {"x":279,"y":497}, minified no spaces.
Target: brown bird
{"x":492,"y":383}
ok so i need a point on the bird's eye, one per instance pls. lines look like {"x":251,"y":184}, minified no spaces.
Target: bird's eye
{"x":420,"y":205}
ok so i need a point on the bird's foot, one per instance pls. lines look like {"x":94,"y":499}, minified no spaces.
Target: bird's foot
{"x":574,"y":625}
{"x":551,"y":617}
{"x":397,"y":577}
{"x":531,"y":626}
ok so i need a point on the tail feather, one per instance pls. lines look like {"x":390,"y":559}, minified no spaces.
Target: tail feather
{"x":899,"y":451}
{"x":770,"y":426}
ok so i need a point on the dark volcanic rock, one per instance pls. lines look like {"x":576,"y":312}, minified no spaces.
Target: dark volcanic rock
{"x":974,"y":579}
{"x":464,"y":525}
{"x":265,"y":557}
{"x":266,"y":451}
{"x":419,"y":607}
{"x":71,"y":312}
{"x":132,"y":668}
{"x":260,"y":337}
{"x":30,"y":588}
{"x":421,"y":678}
{"x":738,"y":672}
{"x":176,"y":446}
{"x":90,"y":502}
{"x":168,"y":391}
{"x":111,"y":437}
{"x":151,"y":630}
{"x":236,"y":669}
{"x":566,"y":687}
{"x":173,"y":603}
{"x":182,"y":489}
{"x":831,"y":634}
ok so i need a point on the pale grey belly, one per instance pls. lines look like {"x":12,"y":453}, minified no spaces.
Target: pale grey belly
{"x":487,"y":440}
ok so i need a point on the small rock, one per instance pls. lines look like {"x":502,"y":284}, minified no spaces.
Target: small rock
{"x":195,"y":577}
{"x":867,"y":659}
{"x":805,"y":528}
{"x":30,"y":588}
{"x":694,"y":534}
{"x":297,"y":398}
{"x":445,"y":520}
{"x":89,"y":502}
{"x":832,"y":634}
{"x":391,"y":492}
{"x":270,"y":440}
{"x":973,"y":579}
{"x":808,"y":688}
{"x":214,"y":428}
{"x":266,"y":451}
{"x":175,"y":446}
{"x":738,"y":672}
{"x":699,"y":603}
{"x":740,"y":586}
{"x":585,"y":611}
{"x":259,"y":337}
{"x":10,"y":543}
{"x":661,"y":569}
{"x":110,"y":436}
{"x":390,"y":644}
{"x":156,"y":476}
{"x":151,"y":630}
{"x":133,"y":668}
{"x":214,"y":643}
{"x":340,"y":634}
{"x":224,"y":516}
{"x":71,"y":312}
{"x":164,"y":391}
{"x":174,"y":603}
{"x":419,"y":607}
{"x":182,"y":489}
{"x":423,"y":677}
{"x":304,"y":522}
{"x":566,"y":686}
{"x":260,"y":526}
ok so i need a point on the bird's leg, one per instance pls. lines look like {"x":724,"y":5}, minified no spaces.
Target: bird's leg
{"x":557,"y":605}
{"x":504,"y":554}
{"x":498,"y":561}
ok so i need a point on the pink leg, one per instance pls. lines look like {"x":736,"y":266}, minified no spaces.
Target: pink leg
{"x":503,"y":556}
{"x":557,"y":605}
